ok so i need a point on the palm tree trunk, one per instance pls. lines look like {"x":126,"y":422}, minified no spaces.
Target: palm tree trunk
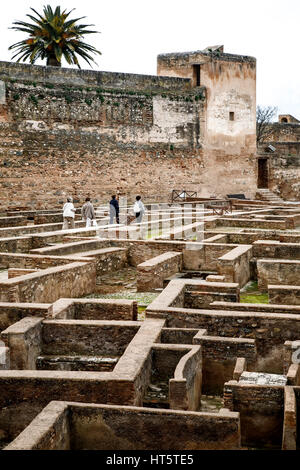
{"x":52,"y":60}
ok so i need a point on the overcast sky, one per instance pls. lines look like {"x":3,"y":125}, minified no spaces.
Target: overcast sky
{"x":134,"y":32}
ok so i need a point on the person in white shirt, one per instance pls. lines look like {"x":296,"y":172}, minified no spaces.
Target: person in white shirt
{"x":68,"y":214}
{"x":138,"y":209}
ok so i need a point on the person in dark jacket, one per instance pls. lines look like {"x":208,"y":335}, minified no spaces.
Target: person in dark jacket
{"x":114,"y":210}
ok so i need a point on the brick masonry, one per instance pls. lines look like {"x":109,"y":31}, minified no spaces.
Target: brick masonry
{"x":86,"y":132}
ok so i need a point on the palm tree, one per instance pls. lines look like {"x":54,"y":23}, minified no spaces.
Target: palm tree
{"x":51,"y":37}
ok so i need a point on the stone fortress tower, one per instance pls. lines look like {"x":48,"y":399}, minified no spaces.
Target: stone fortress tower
{"x":228,"y":124}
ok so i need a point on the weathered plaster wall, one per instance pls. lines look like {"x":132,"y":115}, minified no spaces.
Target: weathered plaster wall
{"x":285,"y":170}
{"x":230,"y":141}
{"x":284,"y":164}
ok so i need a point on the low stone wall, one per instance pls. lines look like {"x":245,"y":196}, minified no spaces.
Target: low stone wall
{"x":24,"y":340}
{"x":185,"y":231}
{"x":32,"y":337}
{"x":253,"y":223}
{"x":261,"y":409}
{"x":186,"y":292}
{"x":48,"y":431}
{"x":277,"y":272}
{"x":235,"y":265}
{"x":11,"y":313}
{"x":135,"y":365}
{"x":221,"y":238}
{"x":43,"y":240}
{"x":186,"y":388}
{"x":24,"y":393}
{"x":269,"y":331}
{"x":289,"y":438}
{"x":87,"y":337}
{"x":181,"y":367}
{"x":276,"y":250}
{"x":48,"y":218}
{"x":31,"y":229}
{"x":202,"y":293}
{"x":76,"y":426}
{"x":219,"y":359}
{"x":16,"y":272}
{"x":43,"y":218}
{"x":25,"y":261}
{"x":48,"y":285}
{"x":95,"y":309}
{"x":16,"y":244}
{"x":142,"y":250}
{"x":178,"y":335}
{"x":64,"y":249}
{"x":151,"y":273}
{"x":289,"y":294}
{"x":108,"y":259}
{"x":212,"y":252}
{"x":12,"y":221}
{"x":205,"y":299}
{"x":263,"y":308}
{"x":195,"y":255}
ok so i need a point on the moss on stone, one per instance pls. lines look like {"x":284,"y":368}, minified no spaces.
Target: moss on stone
{"x":254,"y":298}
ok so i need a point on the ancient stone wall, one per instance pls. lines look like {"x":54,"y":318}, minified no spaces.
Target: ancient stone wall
{"x":264,"y":401}
{"x":219,"y":359}
{"x":151,"y":273}
{"x":86,"y":337}
{"x":77,"y":426}
{"x":64,"y":132}
{"x":88,"y":133}
{"x":235,"y":265}
{"x":284,"y":132}
{"x":284,"y":168}
{"x":48,"y":285}
{"x":278,"y":272}
{"x":284,"y":164}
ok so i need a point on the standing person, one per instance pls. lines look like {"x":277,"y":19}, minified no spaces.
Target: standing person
{"x":68,"y":214}
{"x":114,"y":210}
{"x":87,"y":212}
{"x":138,"y":209}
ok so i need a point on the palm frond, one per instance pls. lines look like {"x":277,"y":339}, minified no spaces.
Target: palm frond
{"x":51,"y":35}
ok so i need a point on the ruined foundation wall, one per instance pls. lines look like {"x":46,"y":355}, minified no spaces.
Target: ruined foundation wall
{"x":284,"y":170}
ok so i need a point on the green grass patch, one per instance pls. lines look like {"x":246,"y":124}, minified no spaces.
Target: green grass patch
{"x":251,"y":295}
{"x":252,"y":286}
{"x":144,"y":298}
{"x":154,"y":234}
{"x":254,"y":298}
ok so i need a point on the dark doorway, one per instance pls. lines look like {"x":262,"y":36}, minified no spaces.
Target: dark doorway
{"x":263,"y":173}
{"x":196,"y":73}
